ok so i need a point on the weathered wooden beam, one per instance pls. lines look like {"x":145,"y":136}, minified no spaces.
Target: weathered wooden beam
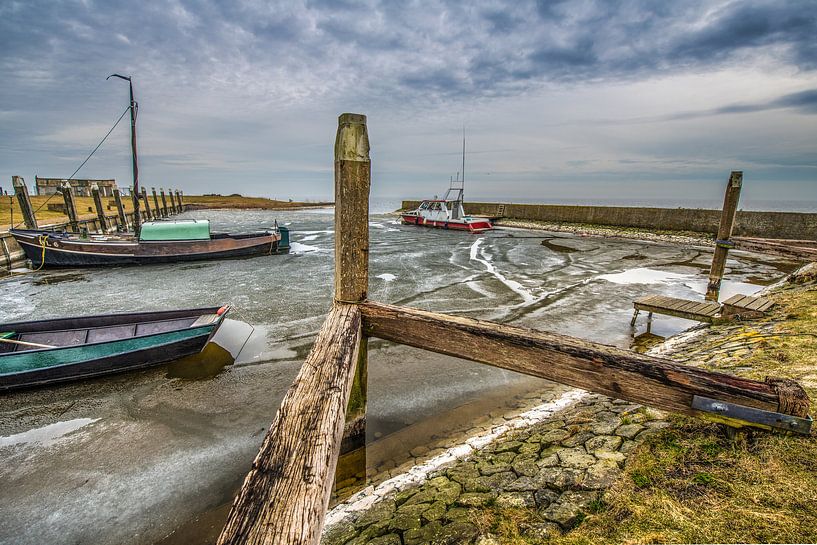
{"x":622,"y":374}
{"x":352,"y":184}
{"x":23,"y":199}
{"x":286,"y":493}
{"x":172,"y":201}
{"x":157,"y":211}
{"x":100,"y":211}
{"x":730,"y":209}
{"x":70,"y":206}
{"x":120,"y":208}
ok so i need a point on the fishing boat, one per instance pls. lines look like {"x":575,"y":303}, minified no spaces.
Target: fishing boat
{"x":64,"y":349}
{"x":150,"y":242}
{"x":448,"y":212}
{"x":167,"y":241}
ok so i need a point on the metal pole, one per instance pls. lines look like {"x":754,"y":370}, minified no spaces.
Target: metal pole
{"x":134,"y":107}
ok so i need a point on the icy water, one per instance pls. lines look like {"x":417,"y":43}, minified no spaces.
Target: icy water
{"x":135,"y":457}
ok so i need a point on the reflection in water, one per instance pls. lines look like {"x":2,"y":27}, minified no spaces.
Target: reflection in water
{"x":206,"y":364}
{"x":227,"y":345}
{"x":50,"y":279}
{"x":46,"y":435}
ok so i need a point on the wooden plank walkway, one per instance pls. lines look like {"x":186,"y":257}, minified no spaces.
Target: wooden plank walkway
{"x":737,"y":306}
{"x":701,"y":311}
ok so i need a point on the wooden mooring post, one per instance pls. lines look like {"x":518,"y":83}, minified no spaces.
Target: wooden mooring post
{"x":172,"y":202}
{"x":352,"y":184}
{"x":157,"y":212}
{"x":100,"y":211}
{"x":284,"y":497}
{"x":148,"y":214}
{"x":70,"y":206}
{"x":164,"y":202}
{"x":24,"y":200}
{"x":178,"y":202}
{"x":120,"y":209}
{"x":722,"y":242}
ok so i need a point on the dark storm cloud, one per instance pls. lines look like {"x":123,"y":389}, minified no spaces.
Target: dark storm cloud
{"x":445,"y":49}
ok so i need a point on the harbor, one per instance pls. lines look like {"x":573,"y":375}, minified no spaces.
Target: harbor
{"x":428,"y":273}
{"x":165,"y":432}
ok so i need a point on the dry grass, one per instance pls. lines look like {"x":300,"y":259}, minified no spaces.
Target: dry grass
{"x":237,"y":201}
{"x":693,"y":484}
{"x":46,"y":217}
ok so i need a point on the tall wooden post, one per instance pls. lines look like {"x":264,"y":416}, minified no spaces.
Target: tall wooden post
{"x":147,"y":204}
{"x":158,"y":211}
{"x":23,"y":199}
{"x":70,"y":206}
{"x":352,"y":182}
{"x":172,"y":201}
{"x":178,"y":202}
{"x":164,"y":202}
{"x":180,"y":194}
{"x":722,"y":242}
{"x":120,"y":209}
{"x":100,"y":211}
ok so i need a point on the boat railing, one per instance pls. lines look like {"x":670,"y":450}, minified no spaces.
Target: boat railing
{"x":286,"y":493}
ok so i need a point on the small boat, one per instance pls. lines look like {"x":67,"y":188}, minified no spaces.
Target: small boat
{"x":158,"y":242}
{"x":64,"y":349}
{"x":448,"y":212}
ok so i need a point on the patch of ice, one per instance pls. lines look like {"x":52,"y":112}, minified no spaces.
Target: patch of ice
{"x":46,"y":435}
{"x":298,"y":248}
{"x":515,"y":286}
{"x":643,"y":275}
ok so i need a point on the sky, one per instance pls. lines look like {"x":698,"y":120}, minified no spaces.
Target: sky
{"x":583,"y":100}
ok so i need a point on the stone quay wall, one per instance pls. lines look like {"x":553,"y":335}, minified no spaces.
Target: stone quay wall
{"x":782,"y":225}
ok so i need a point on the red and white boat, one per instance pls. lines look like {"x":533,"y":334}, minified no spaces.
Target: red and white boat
{"x":448,"y":212}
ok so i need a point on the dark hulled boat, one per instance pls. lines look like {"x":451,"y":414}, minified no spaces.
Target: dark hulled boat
{"x":158,"y":242}
{"x":64,"y":349}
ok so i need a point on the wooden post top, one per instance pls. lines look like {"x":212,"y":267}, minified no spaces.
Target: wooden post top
{"x":352,"y":142}
{"x":18,"y":181}
{"x":736,"y":178}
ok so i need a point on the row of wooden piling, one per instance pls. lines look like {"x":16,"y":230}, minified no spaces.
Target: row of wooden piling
{"x":171,"y":203}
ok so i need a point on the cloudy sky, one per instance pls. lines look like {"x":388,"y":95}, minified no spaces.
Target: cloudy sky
{"x":582,"y":99}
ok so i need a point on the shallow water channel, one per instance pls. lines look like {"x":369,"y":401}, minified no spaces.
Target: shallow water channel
{"x":138,"y":457}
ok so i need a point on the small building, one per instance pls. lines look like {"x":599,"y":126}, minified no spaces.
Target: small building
{"x":82,"y":188}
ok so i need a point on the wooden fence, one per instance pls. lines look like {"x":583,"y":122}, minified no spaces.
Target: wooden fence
{"x":284,"y":497}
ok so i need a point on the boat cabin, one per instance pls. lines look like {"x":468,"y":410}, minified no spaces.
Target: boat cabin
{"x":441,"y":210}
{"x":153,"y":231}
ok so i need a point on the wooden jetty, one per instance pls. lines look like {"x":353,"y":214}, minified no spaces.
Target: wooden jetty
{"x":701,"y":311}
{"x":284,"y":497}
{"x":710,"y":311}
{"x":736,"y":307}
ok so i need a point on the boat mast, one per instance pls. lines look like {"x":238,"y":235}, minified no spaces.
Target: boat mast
{"x":134,"y":107}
